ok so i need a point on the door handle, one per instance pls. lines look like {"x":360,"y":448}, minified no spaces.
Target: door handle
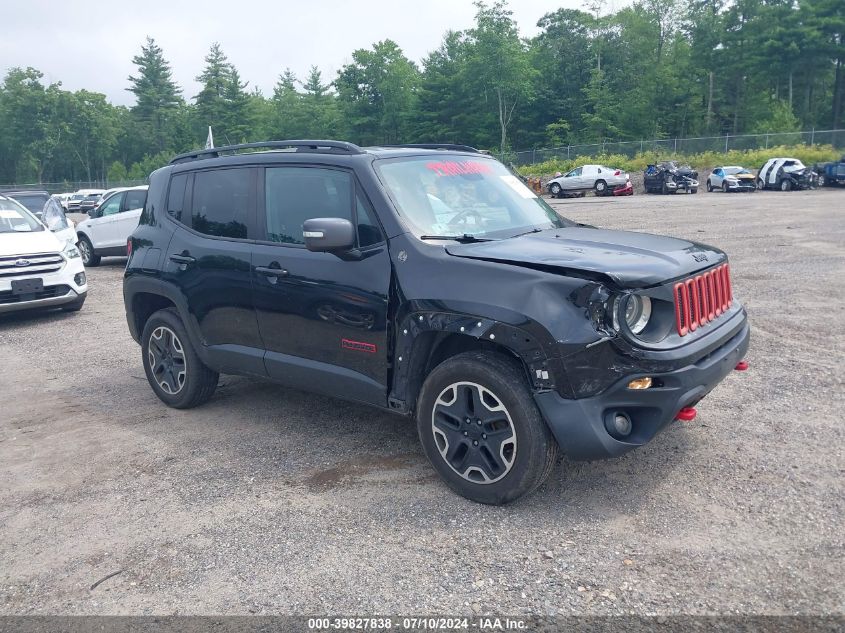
{"x":271,"y":272}
{"x":182,"y":259}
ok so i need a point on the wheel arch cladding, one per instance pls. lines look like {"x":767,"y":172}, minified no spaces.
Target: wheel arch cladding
{"x":425,"y":339}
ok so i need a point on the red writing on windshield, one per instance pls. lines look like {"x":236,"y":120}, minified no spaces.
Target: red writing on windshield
{"x":454,"y":168}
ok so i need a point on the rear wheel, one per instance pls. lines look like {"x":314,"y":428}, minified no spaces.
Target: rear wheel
{"x":481,"y":430}
{"x":709,"y":186}
{"x":555,"y":189}
{"x":86,"y":250}
{"x":760,"y":184}
{"x":175,"y":372}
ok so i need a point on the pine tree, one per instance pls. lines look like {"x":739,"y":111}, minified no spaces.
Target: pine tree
{"x":158,"y":96}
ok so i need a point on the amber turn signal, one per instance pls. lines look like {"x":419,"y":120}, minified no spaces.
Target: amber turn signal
{"x":640,"y":383}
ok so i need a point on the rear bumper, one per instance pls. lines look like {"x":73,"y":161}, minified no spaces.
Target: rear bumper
{"x":579,"y":425}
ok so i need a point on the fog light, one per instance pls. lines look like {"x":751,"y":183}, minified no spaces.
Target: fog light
{"x":640,"y":383}
{"x":618,"y":424}
{"x":79,"y":278}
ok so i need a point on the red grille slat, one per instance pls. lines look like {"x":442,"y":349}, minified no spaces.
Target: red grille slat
{"x":701,"y":299}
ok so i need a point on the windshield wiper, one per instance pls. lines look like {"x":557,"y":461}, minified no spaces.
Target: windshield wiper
{"x":534,"y":230}
{"x":466,"y":238}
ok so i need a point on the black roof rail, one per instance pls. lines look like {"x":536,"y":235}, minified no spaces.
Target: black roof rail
{"x":447,"y":146}
{"x":324,"y":147}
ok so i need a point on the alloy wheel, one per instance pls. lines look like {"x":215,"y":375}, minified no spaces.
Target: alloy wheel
{"x":474,"y":432}
{"x":85,"y":251}
{"x":167,"y":360}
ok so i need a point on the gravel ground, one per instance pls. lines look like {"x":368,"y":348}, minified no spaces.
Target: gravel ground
{"x":271,"y":501}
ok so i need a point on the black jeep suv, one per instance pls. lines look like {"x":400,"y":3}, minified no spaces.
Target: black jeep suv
{"x":428,"y":281}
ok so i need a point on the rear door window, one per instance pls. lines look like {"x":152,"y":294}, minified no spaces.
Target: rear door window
{"x":135,"y":199}
{"x":221,"y":201}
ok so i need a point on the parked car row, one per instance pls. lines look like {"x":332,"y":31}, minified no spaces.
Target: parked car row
{"x":665,"y":177}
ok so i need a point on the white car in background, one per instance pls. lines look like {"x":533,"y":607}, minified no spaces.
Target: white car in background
{"x":731,"y":178}
{"x":598,"y":178}
{"x":111,"y":223}
{"x":37,"y":268}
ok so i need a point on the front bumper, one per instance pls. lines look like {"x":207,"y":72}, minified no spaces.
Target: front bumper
{"x":579,"y":425}
{"x":60,"y":287}
{"x":624,"y":190}
{"x":743,"y":186}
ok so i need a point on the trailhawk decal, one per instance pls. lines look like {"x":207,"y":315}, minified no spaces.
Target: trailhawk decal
{"x":358,"y":346}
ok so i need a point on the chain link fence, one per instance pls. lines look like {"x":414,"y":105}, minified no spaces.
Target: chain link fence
{"x":669,"y":146}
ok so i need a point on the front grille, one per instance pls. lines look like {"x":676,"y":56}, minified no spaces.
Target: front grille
{"x":38,"y":264}
{"x":702,"y":299}
{"x":50,"y":292}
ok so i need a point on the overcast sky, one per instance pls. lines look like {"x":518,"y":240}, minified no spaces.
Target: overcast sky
{"x":90,"y":43}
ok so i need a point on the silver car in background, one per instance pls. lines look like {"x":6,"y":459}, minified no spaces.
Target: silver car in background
{"x":598,"y":178}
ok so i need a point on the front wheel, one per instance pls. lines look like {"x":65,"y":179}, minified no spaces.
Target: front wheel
{"x":786,"y":184}
{"x":709,"y":186}
{"x":555,"y":189}
{"x":694,"y":190}
{"x":175,"y":372}
{"x":600,"y":187}
{"x":481,"y":430}
{"x":86,"y":250}
{"x":725,"y":187}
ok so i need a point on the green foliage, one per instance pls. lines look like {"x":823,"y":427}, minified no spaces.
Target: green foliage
{"x":652,"y":69}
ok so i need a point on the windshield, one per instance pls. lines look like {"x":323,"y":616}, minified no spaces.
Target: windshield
{"x":732,"y":171}
{"x":456,"y":196}
{"x":15,"y":219}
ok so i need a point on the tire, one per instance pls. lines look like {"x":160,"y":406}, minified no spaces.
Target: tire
{"x":555,"y":189}
{"x":725,"y":187}
{"x":709,"y":186}
{"x":664,"y":189}
{"x":495,"y":471}
{"x":75,"y":306}
{"x":821,"y":181}
{"x":600,"y":187}
{"x":86,"y":250}
{"x":176,"y":374}
{"x":786,"y":184}
{"x":694,"y":190}
{"x":760,"y":184}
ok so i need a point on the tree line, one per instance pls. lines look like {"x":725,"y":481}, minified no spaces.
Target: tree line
{"x":657,"y":68}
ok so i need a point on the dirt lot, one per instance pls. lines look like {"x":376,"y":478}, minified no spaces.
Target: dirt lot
{"x":273,"y":501}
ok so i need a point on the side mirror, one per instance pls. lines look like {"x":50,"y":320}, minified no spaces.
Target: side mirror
{"x":328,"y":235}
{"x":93,"y":213}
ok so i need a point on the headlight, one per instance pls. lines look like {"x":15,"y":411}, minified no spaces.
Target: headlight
{"x":637,"y":311}
{"x":71,"y":252}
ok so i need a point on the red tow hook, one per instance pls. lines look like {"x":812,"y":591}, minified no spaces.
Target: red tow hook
{"x":741,"y":365}
{"x":687,"y":414}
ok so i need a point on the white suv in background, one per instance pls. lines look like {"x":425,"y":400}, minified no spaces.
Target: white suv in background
{"x":111,"y":223}
{"x":37,"y":269}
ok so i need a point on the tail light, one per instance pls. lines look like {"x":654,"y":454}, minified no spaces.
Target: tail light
{"x":129,"y":247}
{"x":618,"y":172}
{"x":702,"y":299}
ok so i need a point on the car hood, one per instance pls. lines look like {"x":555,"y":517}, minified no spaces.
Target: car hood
{"x":628,"y":259}
{"x":28,"y":243}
